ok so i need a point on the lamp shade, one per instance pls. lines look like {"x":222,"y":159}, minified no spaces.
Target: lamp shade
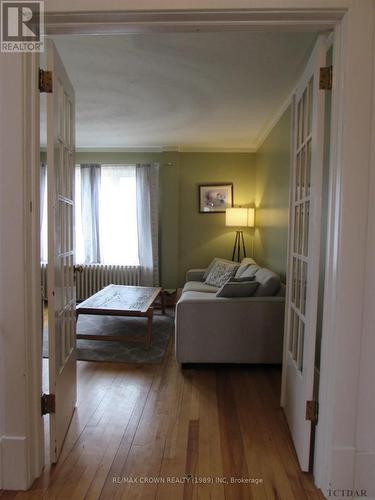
{"x":236,"y":217}
{"x":251,"y":217}
{"x":240,"y":217}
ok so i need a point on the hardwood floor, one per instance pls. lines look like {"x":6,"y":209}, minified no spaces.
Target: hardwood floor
{"x":136,"y":425}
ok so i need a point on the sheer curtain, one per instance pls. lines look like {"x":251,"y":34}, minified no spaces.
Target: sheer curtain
{"x":118,"y":215}
{"x":43,"y":213}
{"x":147,"y":176}
{"x":90,"y":209}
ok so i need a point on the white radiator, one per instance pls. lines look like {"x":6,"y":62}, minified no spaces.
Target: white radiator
{"x":94,"y":277}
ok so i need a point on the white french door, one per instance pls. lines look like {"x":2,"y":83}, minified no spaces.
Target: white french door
{"x":61,"y":289}
{"x":304,"y":251}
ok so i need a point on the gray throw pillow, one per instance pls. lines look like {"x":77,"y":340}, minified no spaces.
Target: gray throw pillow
{"x":249,"y":272}
{"x":238,"y":289}
{"x":245,"y":263}
{"x":213,"y":262}
{"x":242,"y":279}
{"x":220,"y":273}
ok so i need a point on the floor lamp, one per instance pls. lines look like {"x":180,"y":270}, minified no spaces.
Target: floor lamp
{"x":239,"y":217}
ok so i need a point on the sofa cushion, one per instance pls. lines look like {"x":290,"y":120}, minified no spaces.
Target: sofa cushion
{"x":238,"y":289}
{"x":250,"y":271}
{"x":220,"y":273}
{"x":199,"y":286}
{"x":245,"y":263}
{"x":213,"y":262}
{"x":269,"y":283}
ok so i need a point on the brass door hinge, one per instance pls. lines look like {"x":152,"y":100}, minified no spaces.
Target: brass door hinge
{"x":45,"y":81}
{"x":312,"y":411}
{"x":48,"y":404}
{"x":325,"y":78}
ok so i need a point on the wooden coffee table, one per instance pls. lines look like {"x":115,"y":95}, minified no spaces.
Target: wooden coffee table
{"x":121,"y":300}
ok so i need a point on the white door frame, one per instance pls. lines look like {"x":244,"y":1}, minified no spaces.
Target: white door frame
{"x":353,"y":23}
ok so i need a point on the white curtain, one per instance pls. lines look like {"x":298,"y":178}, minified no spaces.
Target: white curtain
{"x":43,"y":213}
{"x":118,"y":215}
{"x":147,"y":178}
{"x":90,"y":201}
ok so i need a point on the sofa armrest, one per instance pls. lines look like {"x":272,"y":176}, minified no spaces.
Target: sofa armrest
{"x":195,"y":274}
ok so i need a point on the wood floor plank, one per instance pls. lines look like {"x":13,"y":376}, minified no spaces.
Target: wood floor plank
{"x":192,"y":451}
{"x":232,"y":446}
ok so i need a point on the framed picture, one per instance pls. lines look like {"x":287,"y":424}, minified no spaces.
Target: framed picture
{"x":215,"y":198}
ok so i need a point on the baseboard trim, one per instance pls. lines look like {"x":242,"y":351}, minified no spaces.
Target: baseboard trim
{"x":13,"y":461}
{"x":1,"y":463}
{"x":341,"y":475}
{"x":364,"y":473}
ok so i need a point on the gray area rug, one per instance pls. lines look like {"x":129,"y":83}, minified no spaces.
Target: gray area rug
{"x":122,"y":351}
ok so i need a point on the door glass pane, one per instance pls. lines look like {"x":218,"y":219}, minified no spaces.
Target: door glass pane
{"x":303,"y":172}
{"x":67,"y":110}
{"x":295,"y":336}
{"x":309,"y":107}
{"x":299,"y":123}
{"x":296,"y":228}
{"x":301,"y":337}
{"x":298,"y":284}
{"x":304,"y":287}
{"x":298,"y":176}
{"x":291,"y":325}
{"x":306,"y":224}
{"x":304,"y":113}
{"x":301,"y":228}
{"x":60,"y":107}
{"x":308,"y":168}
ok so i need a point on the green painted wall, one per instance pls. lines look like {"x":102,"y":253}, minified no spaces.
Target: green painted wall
{"x":272,"y":197}
{"x":187,"y":238}
{"x":204,"y":236}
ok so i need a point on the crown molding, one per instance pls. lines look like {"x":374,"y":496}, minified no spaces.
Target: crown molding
{"x":141,"y":149}
{"x":211,"y":149}
{"x":165,"y":149}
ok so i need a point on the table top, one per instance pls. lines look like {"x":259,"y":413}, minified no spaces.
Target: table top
{"x":121,"y":298}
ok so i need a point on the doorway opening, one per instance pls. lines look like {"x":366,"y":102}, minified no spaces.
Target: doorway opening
{"x":106,"y":152}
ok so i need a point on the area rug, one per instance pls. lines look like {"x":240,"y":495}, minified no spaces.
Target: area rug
{"x":121,"y":351}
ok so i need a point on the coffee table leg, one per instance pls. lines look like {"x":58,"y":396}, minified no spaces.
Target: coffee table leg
{"x":162,"y":299}
{"x":150,"y":314}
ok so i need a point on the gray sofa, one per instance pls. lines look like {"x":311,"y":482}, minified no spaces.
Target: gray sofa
{"x":212,"y":329}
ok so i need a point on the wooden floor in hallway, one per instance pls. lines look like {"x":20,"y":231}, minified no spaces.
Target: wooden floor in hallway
{"x":156,"y":432}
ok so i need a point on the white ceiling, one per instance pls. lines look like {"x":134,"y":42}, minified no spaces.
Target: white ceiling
{"x":181,"y":90}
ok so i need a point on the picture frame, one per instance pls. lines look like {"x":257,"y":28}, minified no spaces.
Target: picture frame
{"x":215,"y":198}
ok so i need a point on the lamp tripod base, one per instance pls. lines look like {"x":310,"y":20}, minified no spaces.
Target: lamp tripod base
{"x":239,"y":244}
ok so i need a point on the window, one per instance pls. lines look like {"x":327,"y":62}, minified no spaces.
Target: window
{"x":43,"y":215}
{"x":116,"y":213}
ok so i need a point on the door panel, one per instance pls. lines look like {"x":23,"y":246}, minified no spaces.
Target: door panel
{"x":61,"y":288}
{"x":304,"y":251}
